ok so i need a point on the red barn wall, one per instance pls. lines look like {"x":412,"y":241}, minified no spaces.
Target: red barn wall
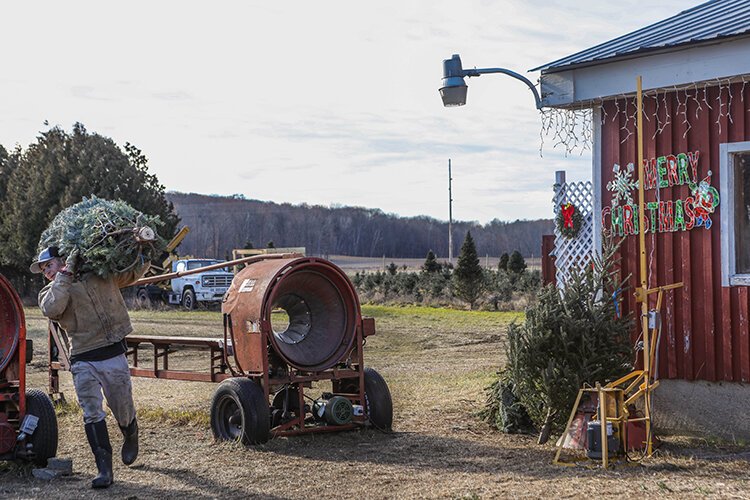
{"x":705,"y":330}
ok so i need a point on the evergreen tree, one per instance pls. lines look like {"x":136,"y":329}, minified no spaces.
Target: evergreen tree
{"x":503,"y":410}
{"x":103,"y":234}
{"x":392,"y":268}
{"x":468,"y":276}
{"x":5,"y":169}
{"x":7,"y":165}
{"x":516,"y":263}
{"x":503,"y":264}
{"x":57,"y":171}
{"x":570,"y":337}
{"x":431,"y":265}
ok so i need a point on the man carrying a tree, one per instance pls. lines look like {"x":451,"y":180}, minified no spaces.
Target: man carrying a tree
{"x":91,"y":309}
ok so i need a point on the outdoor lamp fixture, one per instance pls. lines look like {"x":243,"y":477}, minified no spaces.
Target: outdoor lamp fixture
{"x":454,"y":87}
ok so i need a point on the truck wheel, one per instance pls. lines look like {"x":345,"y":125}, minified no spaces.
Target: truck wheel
{"x":240,"y":412}
{"x":188,"y":299}
{"x":378,"y":400}
{"x":143,"y":297}
{"x":44,"y":438}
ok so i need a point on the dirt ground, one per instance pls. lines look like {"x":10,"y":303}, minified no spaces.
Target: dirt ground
{"x":437,"y":364}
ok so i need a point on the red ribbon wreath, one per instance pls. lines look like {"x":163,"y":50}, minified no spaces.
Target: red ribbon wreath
{"x":568,"y":209}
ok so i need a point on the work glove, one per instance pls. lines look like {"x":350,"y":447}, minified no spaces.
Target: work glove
{"x":72,"y":261}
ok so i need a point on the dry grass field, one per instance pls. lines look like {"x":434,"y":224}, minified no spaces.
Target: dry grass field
{"x":437,"y":364}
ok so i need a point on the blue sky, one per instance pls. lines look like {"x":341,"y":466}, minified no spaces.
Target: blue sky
{"x":328,"y":102}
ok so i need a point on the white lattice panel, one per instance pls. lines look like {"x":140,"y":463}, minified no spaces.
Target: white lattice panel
{"x":574,"y":253}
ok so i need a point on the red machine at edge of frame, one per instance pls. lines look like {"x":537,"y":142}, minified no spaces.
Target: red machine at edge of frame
{"x":28,"y":424}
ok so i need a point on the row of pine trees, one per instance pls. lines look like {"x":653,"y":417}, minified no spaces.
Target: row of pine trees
{"x":439,"y":283}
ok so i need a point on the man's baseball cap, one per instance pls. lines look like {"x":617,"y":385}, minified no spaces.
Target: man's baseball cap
{"x":45,"y":255}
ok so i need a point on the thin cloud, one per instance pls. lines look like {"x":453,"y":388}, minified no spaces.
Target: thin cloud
{"x":174,"y":96}
{"x":88,"y":93}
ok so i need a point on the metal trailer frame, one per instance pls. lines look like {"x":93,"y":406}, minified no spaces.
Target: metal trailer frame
{"x":221,"y":367}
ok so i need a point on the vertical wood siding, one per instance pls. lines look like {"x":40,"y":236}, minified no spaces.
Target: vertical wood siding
{"x":705,"y":329}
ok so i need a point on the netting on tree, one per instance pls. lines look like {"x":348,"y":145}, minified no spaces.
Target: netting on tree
{"x":109,"y":236}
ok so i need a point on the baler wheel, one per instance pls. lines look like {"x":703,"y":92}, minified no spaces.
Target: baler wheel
{"x":44,"y":438}
{"x":378,"y":399}
{"x":240,"y":412}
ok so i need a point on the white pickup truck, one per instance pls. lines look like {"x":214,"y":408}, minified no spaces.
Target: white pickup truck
{"x":208,"y":286}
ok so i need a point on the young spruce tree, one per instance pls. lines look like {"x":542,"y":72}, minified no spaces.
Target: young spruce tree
{"x":516,"y":263}
{"x":468,"y":276}
{"x":431,"y":265}
{"x":503,"y":264}
{"x":572,"y":336}
{"x":102,"y":232}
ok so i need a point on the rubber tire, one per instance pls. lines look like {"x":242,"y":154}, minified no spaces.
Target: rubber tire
{"x":246,"y":400}
{"x":378,"y":400}
{"x":188,"y":299}
{"x":143,"y":298}
{"x":44,"y":438}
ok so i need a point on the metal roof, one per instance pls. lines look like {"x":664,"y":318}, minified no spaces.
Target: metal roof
{"x":706,"y":22}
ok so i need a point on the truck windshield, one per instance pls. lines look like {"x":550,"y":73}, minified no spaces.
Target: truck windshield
{"x":195,"y":264}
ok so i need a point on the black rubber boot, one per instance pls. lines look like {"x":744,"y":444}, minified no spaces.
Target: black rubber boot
{"x":99,"y":440}
{"x":130,"y":445}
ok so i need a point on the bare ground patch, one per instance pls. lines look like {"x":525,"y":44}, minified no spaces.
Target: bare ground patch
{"x":437,"y":364}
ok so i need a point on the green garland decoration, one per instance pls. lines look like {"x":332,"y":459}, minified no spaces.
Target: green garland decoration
{"x":569,"y":220}
{"x":104,"y":234}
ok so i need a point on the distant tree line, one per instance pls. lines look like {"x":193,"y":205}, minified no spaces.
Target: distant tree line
{"x":219,"y":224}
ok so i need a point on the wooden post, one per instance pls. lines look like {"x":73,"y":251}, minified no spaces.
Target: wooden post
{"x":603,"y":422}
{"x":450,"y":214}
{"x":643,"y":296}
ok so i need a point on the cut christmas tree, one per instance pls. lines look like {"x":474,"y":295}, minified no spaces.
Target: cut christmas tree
{"x":110,"y":237}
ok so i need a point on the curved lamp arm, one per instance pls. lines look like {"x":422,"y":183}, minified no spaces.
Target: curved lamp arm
{"x":454,"y":87}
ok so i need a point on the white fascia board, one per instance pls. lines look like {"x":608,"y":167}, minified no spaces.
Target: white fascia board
{"x":663,"y":70}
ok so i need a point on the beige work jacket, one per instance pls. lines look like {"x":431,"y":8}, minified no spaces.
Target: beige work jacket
{"x":90,"y":309}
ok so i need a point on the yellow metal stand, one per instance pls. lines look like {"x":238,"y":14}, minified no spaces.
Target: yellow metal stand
{"x":626,"y":391}
{"x":609,"y":398}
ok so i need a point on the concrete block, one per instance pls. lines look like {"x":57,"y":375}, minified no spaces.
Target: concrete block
{"x":708,"y":409}
{"x":64,"y":465}
{"x":45,"y":474}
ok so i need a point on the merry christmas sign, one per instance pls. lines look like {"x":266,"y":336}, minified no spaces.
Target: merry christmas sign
{"x":665,"y":213}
